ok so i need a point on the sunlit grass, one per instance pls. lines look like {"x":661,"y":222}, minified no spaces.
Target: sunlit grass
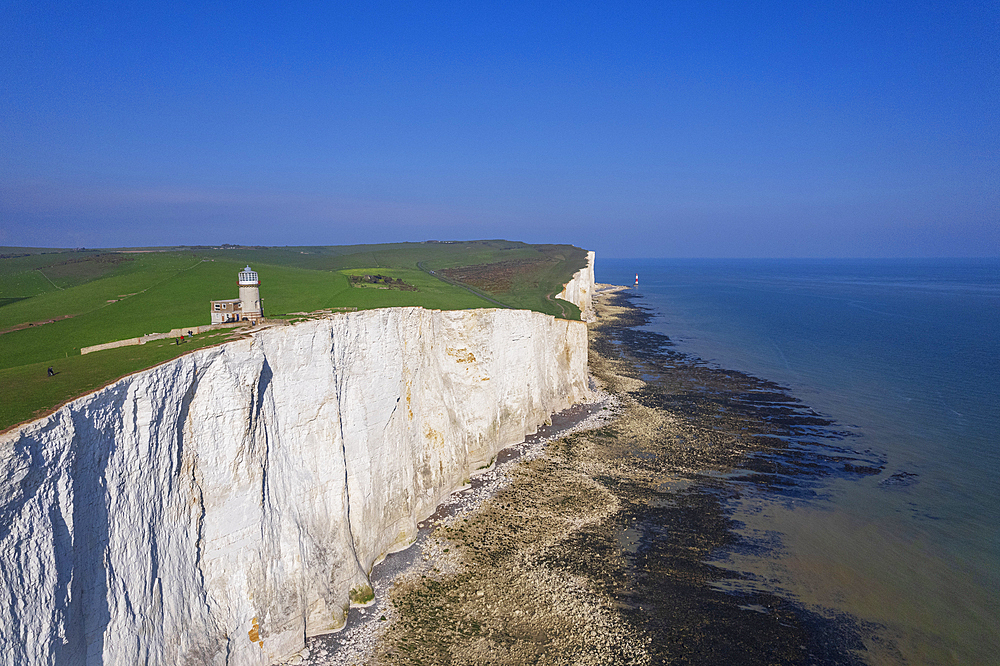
{"x":27,"y":392}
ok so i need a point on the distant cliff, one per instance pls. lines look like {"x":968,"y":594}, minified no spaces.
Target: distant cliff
{"x":580,"y":290}
{"x":221,"y":507}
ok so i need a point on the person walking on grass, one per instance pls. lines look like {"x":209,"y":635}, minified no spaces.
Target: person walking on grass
{"x":51,"y":371}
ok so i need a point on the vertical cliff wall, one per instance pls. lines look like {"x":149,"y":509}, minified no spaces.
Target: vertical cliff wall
{"x":580,"y":290}
{"x":221,"y":507}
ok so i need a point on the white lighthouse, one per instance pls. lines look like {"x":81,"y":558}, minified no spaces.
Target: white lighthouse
{"x":250,"y":295}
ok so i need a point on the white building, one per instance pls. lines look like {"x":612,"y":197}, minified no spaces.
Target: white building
{"x":226,"y":310}
{"x":245,"y":308}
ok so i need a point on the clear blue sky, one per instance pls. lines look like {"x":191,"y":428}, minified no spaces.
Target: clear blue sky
{"x":674,"y":129}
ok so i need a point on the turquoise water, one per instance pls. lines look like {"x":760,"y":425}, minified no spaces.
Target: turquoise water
{"x":906,"y":354}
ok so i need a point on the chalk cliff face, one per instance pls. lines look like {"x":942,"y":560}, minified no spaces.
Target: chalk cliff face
{"x":580,"y":290}
{"x":221,"y":507}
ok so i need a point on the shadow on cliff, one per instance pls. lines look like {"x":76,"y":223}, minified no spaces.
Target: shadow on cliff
{"x":83,"y":556}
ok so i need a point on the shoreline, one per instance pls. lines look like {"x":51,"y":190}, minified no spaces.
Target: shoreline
{"x":356,"y":642}
{"x":608,"y":545}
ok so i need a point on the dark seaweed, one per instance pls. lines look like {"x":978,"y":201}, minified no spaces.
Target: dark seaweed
{"x":743,"y":434}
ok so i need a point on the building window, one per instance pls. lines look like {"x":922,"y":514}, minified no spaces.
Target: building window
{"x":217,"y":306}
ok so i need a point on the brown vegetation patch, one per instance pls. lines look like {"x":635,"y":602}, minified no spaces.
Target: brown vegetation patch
{"x":498,"y":277}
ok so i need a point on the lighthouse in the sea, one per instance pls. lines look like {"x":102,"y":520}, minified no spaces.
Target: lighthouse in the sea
{"x":250,"y":295}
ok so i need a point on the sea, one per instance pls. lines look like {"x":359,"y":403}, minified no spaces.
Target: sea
{"x":904,"y":355}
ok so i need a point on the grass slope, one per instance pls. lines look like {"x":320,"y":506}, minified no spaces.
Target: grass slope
{"x":26,"y":392}
{"x":54,"y":302}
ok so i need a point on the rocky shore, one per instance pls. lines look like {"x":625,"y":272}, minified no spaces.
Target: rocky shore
{"x":433,"y":554}
{"x":606,"y":545}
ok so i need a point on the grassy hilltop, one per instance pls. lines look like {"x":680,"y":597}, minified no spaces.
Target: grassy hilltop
{"x":53,"y":302}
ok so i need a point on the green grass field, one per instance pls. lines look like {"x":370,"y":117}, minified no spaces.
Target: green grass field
{"x":27,"y":392}
{"x":54,"y":302}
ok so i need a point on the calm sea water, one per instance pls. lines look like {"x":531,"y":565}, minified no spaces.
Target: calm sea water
{"x":906,"y":354}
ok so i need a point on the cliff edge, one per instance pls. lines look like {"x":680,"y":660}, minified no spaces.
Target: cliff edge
{"x":580,"y":290}
{"x":221,"y":507}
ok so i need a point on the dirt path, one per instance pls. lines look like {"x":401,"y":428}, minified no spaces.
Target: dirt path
{"x":20,"y":327}
{"x":562,"y":310}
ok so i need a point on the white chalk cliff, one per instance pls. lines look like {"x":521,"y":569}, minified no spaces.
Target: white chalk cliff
{"x":220,"y":508}
{"x":580,"y":290}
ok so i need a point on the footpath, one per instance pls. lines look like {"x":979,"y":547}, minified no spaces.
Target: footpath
{"x":149,"y":337}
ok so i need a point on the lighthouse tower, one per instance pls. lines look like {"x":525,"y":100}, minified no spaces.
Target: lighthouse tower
{"x":250,"y":295}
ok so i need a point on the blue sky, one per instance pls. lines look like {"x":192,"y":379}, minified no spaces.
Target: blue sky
{"x":675,"y":129}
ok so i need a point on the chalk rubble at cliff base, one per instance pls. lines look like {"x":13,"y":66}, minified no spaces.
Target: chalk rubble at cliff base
{"x":220,"y":508}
